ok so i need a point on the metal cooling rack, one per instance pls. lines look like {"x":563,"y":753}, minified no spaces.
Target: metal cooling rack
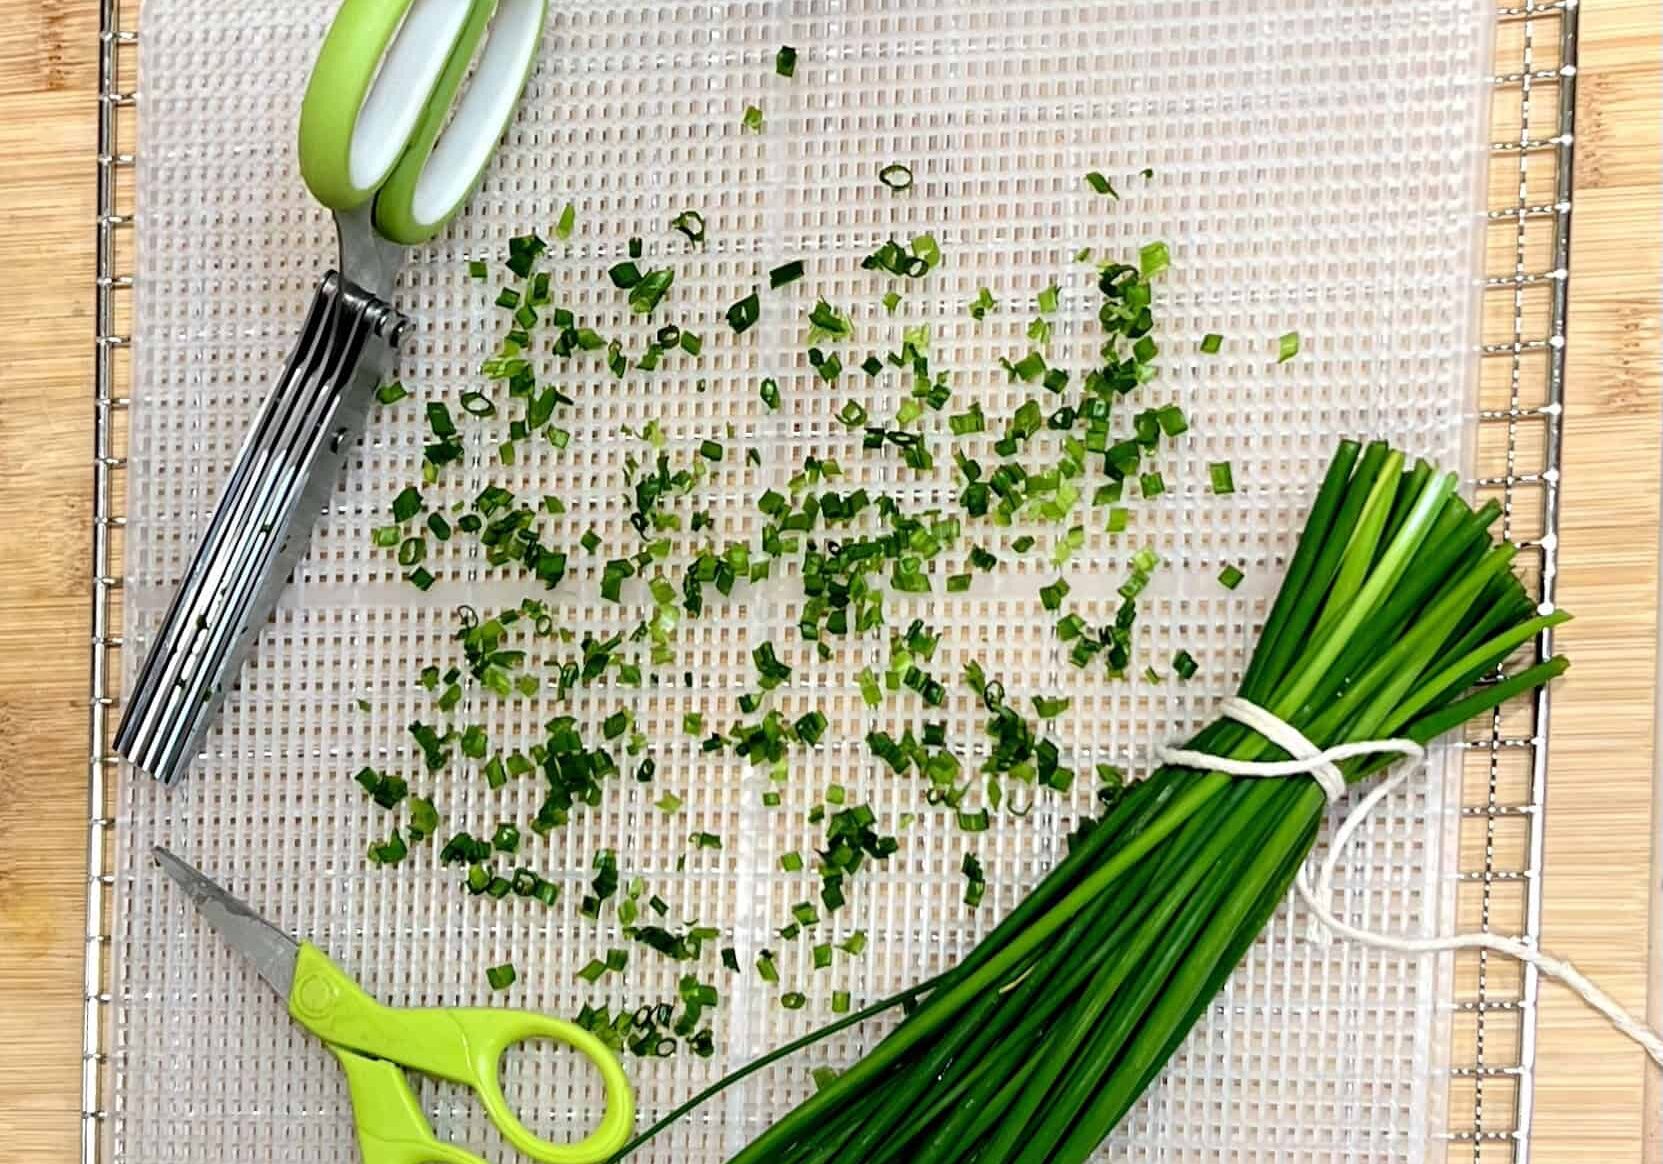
{"x":1492,"y":1007}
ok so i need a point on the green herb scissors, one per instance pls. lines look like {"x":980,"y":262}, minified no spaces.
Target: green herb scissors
{"x":374,"y":1044}
{"x":394,"y":142}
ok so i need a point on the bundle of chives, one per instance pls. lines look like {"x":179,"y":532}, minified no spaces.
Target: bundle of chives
{"x":1396,"y":614}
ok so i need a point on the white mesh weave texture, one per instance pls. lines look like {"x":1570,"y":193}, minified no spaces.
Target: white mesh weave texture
{"x":1315,"y":168}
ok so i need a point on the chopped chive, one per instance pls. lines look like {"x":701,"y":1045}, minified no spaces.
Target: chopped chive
{"x":1152,"y":484}
{"x":1099,"y":183}
{"x":669,"y":802}
{"x":691,"y":224}
{"x":982,"y":304}
{"x":506,"y":839}
{"x":896,"y":176}
{"x":501,"y":977}
{"x":1222,"y":477}
{"x":785,"y":274}
{"x":770,"y":393}
{"x":477,"y":269}
{"x":568,"y":219}
{"x":710,"y":450}
{"x":478,"y":404}
{"x":743,"y":315}
{"x":852,"y":414}
{"x":407,"y":504}
{"x":891,"y":300}
{"x":1230,"y":577}
{"x":1052,"y":595}
{"x":645,"y":295}
{"x":1153,"y":259}
{"x":391,"y":393}
{"x":793,"y":1000}
{"x":1287,"y":346}
{"x":785,"y":61}
{"x":1184,"y":664}
{"x":1211,"y":343}
{"x":1047,"y":300}
{"x":1050,"y":708}
{"x":1171,"y":420}
{"x":752,"y":119}
{"x":624,"y":275}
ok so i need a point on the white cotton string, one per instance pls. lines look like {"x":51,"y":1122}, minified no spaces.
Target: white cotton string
{"x":1321,"y":765}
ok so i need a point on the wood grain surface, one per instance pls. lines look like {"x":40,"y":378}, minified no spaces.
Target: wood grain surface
{"x":1589,"y":1099}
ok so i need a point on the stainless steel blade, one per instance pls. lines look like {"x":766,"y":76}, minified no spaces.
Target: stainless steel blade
{"x":285,"y":474}
{"x":271,"y":950}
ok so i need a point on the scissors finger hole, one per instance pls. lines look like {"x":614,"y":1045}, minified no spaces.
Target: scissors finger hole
{"x":554,"y":1090}
{"x":481,"y":113}
{"x":403,"y":83}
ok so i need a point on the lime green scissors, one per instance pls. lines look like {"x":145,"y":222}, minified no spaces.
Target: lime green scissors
{"x":374,"y":1043}
{"x":393,"y":142}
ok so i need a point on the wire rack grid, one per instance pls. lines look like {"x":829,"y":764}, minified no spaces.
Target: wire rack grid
{"x":1489,"y":1018}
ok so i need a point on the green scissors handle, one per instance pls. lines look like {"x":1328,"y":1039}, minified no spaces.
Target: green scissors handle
{"x":381,"y":118}
{"x":464,"y":1045}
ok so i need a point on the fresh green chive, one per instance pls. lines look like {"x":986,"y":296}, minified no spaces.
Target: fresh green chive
{"x":407,"y":504}
{"x":1230,"y":577}
{"x":1050,"y":708}
{"x":1287,"y":346}
{"x":645,"y":295}
{"x":1153,"y":259}
{"x":1211,"y":343}
{"x":896,"y":176}
{"x":742,"y":315}
{"x":1184,"y":664}
{"x":391,"y":393}
{"x":1100,"y":184}
{"x":1222,"y":477}
{"x":691,"y":224}
{"x":1052,"y":595}
{"x":501,"y":977}
{"x":568,"y":219}
{"x":785,"y":61}
{"x":752,"y":119}
{"x":1172,"y":420}
{"x":785,"y":274}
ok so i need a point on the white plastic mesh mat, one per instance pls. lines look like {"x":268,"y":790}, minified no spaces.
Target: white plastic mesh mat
{"x":1315,"y":169}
